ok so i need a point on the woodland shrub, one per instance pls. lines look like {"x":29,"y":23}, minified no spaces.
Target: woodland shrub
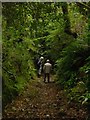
{"x":18,"y":67}
{"x":18,"y":50}
{"x":72,"y":67}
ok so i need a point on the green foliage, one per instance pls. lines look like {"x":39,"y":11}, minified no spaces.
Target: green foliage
{"x":71,"y":59}
{"x":17,"y":60}
{"x":18,"y":50}
{"x":43,"y":29}
{"x":73,"y":69}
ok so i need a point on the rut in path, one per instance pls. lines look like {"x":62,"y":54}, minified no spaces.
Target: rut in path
{"x":44,"y":101}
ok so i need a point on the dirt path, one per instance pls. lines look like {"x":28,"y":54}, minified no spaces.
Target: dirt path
{"x":43,"y":101}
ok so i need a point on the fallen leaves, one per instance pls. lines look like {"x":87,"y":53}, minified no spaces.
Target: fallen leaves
{"x":42,"y":100}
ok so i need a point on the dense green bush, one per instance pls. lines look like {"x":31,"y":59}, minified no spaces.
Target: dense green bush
{"x":17,"y":63}
{"x":73,"y":67}
{"x":18,"y":68}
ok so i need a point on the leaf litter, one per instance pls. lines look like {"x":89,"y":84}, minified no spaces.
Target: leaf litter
{"x":44,"y":100}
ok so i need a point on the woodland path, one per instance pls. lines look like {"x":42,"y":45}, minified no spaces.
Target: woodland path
{"x":43,"y":101}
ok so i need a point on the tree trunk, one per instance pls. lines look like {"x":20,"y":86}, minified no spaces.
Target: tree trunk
{"x":67,"y":20}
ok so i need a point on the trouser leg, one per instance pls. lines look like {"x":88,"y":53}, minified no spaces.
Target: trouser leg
{"x":44,"y":77}
{"x":48,"y":76}
{"x":40,"y":71}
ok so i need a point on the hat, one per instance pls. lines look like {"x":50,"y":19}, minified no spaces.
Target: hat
{"x":48,"y":60}
{"x":41,"y":58}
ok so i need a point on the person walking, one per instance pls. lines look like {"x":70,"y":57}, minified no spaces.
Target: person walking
{"x":40,"y":63}
{"x":47,"y":70}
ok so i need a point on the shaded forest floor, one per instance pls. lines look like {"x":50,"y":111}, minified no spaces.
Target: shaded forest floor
{"x":44,"y":101}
